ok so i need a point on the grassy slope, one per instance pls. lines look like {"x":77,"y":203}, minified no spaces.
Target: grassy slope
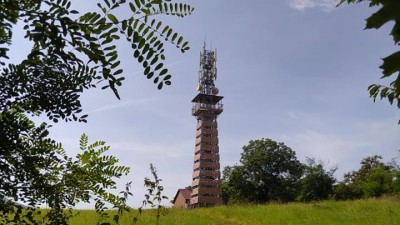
{"x":362,"y":212}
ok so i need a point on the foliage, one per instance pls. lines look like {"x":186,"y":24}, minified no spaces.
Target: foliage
{"x":396,"y":182}
{"x":317,"y":182}
{"x":154,"y":196}
{"x":373,"y":179}
{"x":69,"y":52}
{"x":389,"y":11}
{"x":269,"y":171}
{"x":377,"y":182}
{"x":68,"y":181}
{"x":28,"y":162}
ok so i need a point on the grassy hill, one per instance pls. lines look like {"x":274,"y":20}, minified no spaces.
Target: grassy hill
{"x":362,"y":212}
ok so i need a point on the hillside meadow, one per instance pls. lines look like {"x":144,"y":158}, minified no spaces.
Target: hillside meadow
{"x":359,"y":212}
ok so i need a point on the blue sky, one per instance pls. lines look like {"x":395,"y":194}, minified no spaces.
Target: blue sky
{"x":295,"y":71}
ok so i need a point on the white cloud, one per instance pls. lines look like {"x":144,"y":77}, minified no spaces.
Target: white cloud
{"x":347,"y":147}
{"x":122,"y":104}
{"x":326,"y":5}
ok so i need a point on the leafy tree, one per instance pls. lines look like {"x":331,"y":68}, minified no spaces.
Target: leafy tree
{"x":317,"y":182}
{"x":69,"y":52}
{"x":72,"y":53}
{"x":236,"y":186}
{"x":64,"y":182}
{"x":396,"y":182}
{"x":377,"y":182}
{"x":269,"y":171}
{"x":373,"y":179}
{"x":389,"y":11}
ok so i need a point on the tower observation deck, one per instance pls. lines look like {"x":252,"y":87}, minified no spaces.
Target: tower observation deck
{"x":207,"y":105}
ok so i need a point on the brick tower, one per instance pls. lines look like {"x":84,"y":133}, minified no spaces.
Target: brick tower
{"x":206,"y":184}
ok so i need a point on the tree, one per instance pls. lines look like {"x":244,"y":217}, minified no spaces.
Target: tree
{"x":396,"y":182}
{"x":236,"y":186}
{"x":317,"y":182}
{"x":377,"y":182}
{"x":70,"y":52}
{"x":269,"y":171}
{"x":63,"y":182}
{"x":373,"y":179}
{"x":389,"y":12}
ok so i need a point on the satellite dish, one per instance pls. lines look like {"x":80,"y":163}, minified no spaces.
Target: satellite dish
{"x":198,"y":87}
{"x":215,"y":91}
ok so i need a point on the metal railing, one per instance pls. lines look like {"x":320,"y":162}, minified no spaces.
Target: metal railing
{"x":218,"y":108}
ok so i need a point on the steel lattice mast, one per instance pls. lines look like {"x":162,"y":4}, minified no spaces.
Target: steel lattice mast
{"x":206,"y":184}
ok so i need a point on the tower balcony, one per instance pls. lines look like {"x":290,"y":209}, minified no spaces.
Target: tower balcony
{"x":204,"y":108}
{"x":206,"y":141}
{"x":212,"y":132}
{"x":206,"y":164}
{"x":210,"y":173}
{"x":214,"y":148}
{"x":206,"y":157}
{"x":206,"y":182}
{"x":207,"y":125}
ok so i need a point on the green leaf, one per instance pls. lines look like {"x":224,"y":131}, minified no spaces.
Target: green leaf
{"x":115,"y":65}
{"x":373,"y":91}
{"x":108,"y":3}
{"x":118,"y":72}
{"x":163,"y":72}
{"x":124,"y":25}
{"x":158,"y":25}
{"x":145,"y":49}
{"x":149,"y":54}
{"x":138,"y":4}
{"x":147,"y":71}
{"x":146,"y":11}
{"x":165,"y":29}
{"x":150,"y":35}
{"x":133,"y":9}
{"x":384,"y":92}
{"x":180,"y":40}
{"x":130,"y":31}
{"x":169,"y":32}
{"x":142,"y":42}
{"x":150,"y":75}
{"x":154,"y":60}
{"x":391,"y":64}
{"x":136,"y":53}
{"x":396,"y":31}
{"x":388,"y":12}
{"x":159,"y":66}
{"x":140,"y":59}
{"x":112,"y":18}
{"x":167,"y":77}
{"x":174,"y":37}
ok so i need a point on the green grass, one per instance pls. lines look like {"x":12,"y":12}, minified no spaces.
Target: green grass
{"x":362,"y":212}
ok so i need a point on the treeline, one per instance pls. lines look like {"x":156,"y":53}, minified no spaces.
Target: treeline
{"x":270,"y":171}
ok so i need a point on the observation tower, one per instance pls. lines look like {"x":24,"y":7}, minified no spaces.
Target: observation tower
{"x":207,"y":105}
